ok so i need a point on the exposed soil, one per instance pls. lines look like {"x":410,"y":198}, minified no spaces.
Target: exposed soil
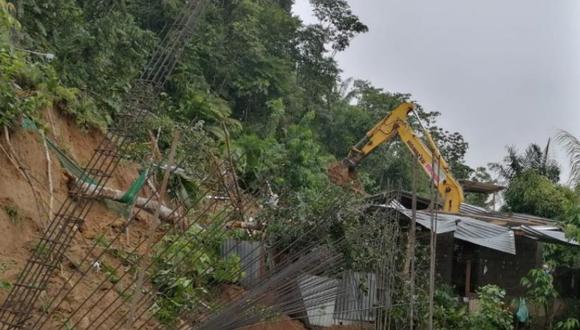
{"x":284,"y":323}
{"x":344,"y":177}
{"x":23,"y":217}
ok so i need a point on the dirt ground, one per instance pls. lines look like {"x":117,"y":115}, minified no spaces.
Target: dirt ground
{"x":24,"y":212}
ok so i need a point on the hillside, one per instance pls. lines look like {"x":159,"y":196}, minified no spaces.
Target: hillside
{"x":24,"y":213}
{"x":164,"y":164}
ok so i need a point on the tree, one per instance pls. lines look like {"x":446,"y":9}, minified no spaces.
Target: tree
{"x":340,"y":24}
{"x":98,"y":45}
{"x":532,"y":193}
{"x":357,"y":109}
{"x":572,"y":146}
{"x":533,"y":158}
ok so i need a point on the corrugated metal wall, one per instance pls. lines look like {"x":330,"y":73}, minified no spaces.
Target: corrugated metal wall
{"x":357,"y":298}
{"x":355,"y":301}
{"x":252,"y":258}
{"x":320,"y":312}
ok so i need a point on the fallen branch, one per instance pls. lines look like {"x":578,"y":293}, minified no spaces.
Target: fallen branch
{"x":152,"y":187}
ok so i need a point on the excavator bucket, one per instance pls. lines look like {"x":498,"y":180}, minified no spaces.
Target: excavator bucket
{"x":341,"y":175}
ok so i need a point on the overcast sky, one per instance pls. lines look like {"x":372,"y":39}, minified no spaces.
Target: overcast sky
{"x":500,"y":72}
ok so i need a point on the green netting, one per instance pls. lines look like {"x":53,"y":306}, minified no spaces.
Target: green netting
{"x":65,"y":161}
{"x":73,"y":168}
{"x":29,"y":124}
{"x":135,"y":187}
{"x":69,"y":164}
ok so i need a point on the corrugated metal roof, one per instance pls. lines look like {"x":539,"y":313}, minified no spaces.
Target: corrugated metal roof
{"x":503,"y":218}
{"x":469,"y":229}
{"x":472,"y":209}
{"x":445,"y":223}
{"x":465,"y":228}
{"x":312,"y":288}
{"x":547,"y":234}
{"x":486,"y":234}
{"x":494,"y":230}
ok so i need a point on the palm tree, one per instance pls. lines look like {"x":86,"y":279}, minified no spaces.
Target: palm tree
{"x":533,"y":158}
{"x":572,"y":146}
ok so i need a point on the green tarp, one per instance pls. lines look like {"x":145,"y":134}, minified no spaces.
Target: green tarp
{"x":74,"y":169}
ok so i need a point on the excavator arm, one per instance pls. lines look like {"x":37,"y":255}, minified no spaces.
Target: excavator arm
{"x":396,"y":123}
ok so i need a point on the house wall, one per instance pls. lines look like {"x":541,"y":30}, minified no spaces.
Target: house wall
{"x":567,"y":282}
{"x":445,"y":257}
{"x":489,"y":266}
{"x":506,"y":270}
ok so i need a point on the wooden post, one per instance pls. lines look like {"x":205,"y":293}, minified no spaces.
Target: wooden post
{"x":433,"y":242}
{"x":467,"y":277}
{"x":411,"y":255}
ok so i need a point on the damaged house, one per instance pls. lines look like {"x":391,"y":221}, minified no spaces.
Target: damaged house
{"x":477,"y":247}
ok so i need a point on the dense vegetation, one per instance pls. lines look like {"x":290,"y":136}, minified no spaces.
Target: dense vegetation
{"x":252,"y":68}
{"x":258,"y":78}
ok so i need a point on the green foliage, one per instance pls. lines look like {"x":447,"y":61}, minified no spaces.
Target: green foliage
{"x":570,"y":220}
{"x":98,"y":46}
{"x":341,"y":24}
{"x":28,"y":85}
{"x":540,"y":287}
{"x":493,"y":312}
{"x":306,"y":165}
{"x":572,"y":145}
{"x":533,"y":193}
{"x":186,"y":268}
{"x":250,"y":62}
{"x":292,"y":163}
{"x":449,"y":313}
{"x":540,"y":290}
{"x":5,"y":285}
{"x":568,"y":324}
{"x":533,"y":158}
{"x":302,"y":209}
{"x":7,"y":22}
{"x":260,"y":160}
{"x":111,"y":273}
{"x":22,"y":86}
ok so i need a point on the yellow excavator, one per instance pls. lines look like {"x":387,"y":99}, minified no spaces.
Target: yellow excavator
{"x":429,"y":156}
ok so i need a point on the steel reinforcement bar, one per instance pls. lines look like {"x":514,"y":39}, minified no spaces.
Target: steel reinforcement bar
{"x":49,"y":252}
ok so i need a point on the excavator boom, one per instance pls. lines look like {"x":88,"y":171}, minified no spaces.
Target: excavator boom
{"x":429,"y":156}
